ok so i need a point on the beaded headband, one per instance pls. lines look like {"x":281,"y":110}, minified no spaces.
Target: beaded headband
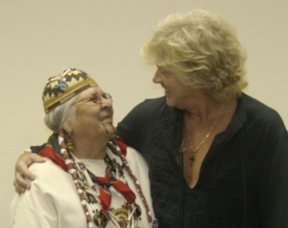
{"x":64,"y":86}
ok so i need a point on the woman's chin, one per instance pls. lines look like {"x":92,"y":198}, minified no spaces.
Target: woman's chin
{"x":109,"y":128}
{"x":170,"y":102}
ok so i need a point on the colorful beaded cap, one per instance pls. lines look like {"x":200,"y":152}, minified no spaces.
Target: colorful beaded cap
{"x":64,"y":86}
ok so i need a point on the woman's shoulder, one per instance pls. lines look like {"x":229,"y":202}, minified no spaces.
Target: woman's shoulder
{"x":257,"y":108}
{"x":135,"y":159}
{"x":48,"y":173}
{"x":258,"y":112}
{"x":44,"y":167}
{"x":132,"y":153}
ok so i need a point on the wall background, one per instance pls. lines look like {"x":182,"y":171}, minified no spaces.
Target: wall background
{"x":41,"y":38}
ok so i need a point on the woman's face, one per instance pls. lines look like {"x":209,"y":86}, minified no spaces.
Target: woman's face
{"x":176,"y":93}
{"x":93,"y":114}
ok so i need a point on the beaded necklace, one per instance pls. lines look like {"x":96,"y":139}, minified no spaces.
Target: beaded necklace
{"x":77,"y":170}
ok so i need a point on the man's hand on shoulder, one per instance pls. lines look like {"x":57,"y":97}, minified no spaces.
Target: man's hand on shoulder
{"x":22,"y":174}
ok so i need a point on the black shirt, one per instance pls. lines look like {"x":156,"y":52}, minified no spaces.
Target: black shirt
{"x":243,"y":180}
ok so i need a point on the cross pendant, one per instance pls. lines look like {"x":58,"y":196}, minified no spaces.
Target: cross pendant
{"x":192,"y":159}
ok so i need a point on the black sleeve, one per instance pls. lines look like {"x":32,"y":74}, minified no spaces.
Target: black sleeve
{"x":273,"y":203}
{"x":37,"y":149}
{"x":128,"y":128}
{"x":52,"y":140}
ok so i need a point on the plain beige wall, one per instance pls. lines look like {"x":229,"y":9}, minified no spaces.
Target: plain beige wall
{"x":41,"y":38}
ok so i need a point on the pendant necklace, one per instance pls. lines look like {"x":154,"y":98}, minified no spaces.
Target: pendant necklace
{"x":194,"y":151}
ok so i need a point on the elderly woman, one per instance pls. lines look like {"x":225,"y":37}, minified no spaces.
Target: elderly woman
{"x":217,"y":157}
{"x":89,"y":179}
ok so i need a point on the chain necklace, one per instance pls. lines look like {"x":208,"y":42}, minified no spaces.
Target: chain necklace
{"x":194,"y":151}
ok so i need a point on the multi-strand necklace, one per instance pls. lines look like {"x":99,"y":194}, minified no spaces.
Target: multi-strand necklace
{"x":196,"y":149}
{"x":113,"y":158}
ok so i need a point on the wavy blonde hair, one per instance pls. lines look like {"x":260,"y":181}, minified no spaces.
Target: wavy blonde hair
{"x":202,"y":50}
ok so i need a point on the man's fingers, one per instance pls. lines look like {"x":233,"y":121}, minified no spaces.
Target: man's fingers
{"x":19,"y":189}
{"x":21,"y":182}
{"x":22,"y":174}
{"x":25,"y":160}
{"x":30,"y":158}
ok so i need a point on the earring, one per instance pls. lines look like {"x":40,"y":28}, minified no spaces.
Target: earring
{"x":69,"y":143}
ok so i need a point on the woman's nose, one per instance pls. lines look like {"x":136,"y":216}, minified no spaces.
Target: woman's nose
{"x":106,"y":102}
{"x":157,"y":77}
